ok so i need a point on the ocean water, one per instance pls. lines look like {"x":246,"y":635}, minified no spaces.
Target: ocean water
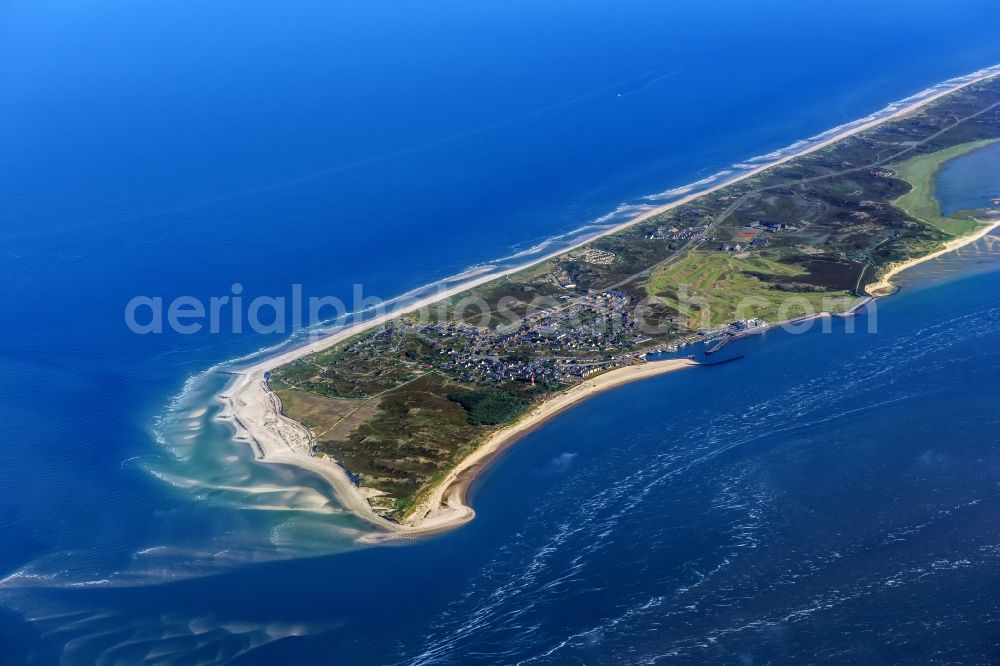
{"x":832,"y":496}
{"x":765,"y":510}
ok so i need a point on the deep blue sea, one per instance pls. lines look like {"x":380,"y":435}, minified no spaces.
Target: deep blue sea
{"x":833,"y":496}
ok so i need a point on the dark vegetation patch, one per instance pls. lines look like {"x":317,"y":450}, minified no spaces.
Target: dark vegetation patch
{"x":826,"y":273}
{"x":490,"y":406}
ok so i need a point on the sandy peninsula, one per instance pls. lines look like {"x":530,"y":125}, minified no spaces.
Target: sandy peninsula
{"x":255,"y":412}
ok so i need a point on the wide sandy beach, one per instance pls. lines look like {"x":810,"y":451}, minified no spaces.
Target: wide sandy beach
{"x":255,"y":412}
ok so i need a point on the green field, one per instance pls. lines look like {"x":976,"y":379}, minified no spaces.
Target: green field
{"x":731,"y":289}
{"x":920,"y":202}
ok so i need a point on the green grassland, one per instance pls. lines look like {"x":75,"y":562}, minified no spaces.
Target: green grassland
{"x":920,"y":202}
{"x":740,"y":288}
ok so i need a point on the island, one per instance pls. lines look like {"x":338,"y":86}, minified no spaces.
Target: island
{"x":402,"y":411}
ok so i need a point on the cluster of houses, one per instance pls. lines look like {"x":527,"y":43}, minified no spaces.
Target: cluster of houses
{"x":764,"y":225}
{"x":753,"y":237}
{"x":664,"y":232}
{"x":731,"y":247}
{"x":744,"y":325}
{"x":574,"y":341}
{"x":598,"y":257}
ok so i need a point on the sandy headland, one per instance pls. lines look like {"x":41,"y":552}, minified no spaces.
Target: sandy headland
{"x":256,"y":415}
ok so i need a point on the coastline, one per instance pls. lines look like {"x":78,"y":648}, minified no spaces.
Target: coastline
{"x":884,"y":287}
{"x":255,"y":412}
{"x":445,"y":505}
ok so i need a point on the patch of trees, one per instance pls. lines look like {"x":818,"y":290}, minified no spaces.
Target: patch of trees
{"x":489,"y":406}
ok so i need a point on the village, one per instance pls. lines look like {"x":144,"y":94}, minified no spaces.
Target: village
{"x":556,"y":345}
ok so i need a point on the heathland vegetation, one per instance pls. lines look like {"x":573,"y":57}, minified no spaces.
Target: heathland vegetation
{"x":400,"y":404}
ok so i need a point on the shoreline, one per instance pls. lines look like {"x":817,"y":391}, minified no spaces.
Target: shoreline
{"x":255,"y":412}
{"x":445,"y":505}
{"x":884,"y":287}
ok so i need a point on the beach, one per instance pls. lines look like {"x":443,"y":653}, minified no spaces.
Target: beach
{"x":445,"y":506}
{"x":884,"y":286}
{"x":255,"y":412}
